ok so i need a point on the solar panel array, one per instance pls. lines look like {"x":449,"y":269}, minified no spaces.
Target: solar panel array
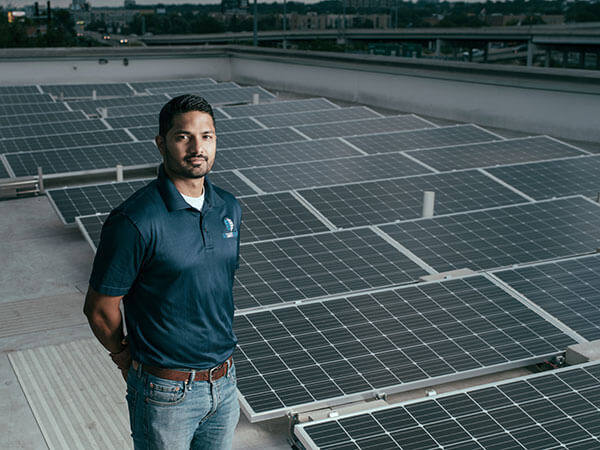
{"x":329,"y":305}
{"x":556,"y":410}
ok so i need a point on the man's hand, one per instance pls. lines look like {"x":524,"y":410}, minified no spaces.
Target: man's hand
{"x":123,"y":360}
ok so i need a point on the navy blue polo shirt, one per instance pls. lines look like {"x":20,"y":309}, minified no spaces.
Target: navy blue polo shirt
{"x":175,"y":266}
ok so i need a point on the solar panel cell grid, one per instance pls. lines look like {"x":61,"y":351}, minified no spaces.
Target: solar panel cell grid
{"x":87,"y":90}
{"x":17,"y":90}
{"x":56,"y":116}
{"x":140,"y":86}
{"x":324,"y":116}
{"x":197,"y":89}
{"x":306,"y":267}
{"x":559,"y":416}
{"x":427,"y":138}
{"x":237,"y":95}
{"x":364,"y":126}
{"x":495,"y":153}
{"x":258,"y":137}
{"x":358,"y":344}
{"x":49,"y":129}
{"x":503,"y":236}
{"x":68,"y":160}
{"x":568,"y":290}
{"x":312,"y":104}
{"x":377,"y":202}
{"x":91,"y":106}
{"x":31,"y":108}
{"x":333,"y":171}
{"x":20,"y":99}
{"x":71,"y":140}
{"x":550,"y":179}
{"x":284,"y":153}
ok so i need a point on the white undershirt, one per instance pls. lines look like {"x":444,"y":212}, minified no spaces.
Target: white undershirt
{"x":194,"y":202}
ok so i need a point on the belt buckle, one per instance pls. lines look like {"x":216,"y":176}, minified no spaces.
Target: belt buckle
{"x":212,"y":371}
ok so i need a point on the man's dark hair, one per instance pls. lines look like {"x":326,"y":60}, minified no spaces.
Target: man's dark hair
{"x":179,"y":105}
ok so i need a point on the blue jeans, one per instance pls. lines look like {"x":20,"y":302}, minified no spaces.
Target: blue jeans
{"x":171,"y":415}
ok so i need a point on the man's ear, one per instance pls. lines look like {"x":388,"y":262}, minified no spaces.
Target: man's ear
{"x":160,"y":143}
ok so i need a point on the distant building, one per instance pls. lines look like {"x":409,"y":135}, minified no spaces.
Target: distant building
{"x":78,"y":5}
{"x":129,"y":4}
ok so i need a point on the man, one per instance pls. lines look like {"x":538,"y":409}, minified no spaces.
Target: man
{"x":170,"y":253}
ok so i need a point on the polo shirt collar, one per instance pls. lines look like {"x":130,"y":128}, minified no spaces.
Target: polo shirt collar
{"x":173,"y":199}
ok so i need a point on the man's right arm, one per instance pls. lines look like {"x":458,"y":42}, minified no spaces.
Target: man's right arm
{"x":104,"y":316}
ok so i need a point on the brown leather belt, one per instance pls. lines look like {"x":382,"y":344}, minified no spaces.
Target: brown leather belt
{"x":180,"y":375}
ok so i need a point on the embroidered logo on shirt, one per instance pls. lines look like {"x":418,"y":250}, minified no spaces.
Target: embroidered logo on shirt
{"x":230,"y":231}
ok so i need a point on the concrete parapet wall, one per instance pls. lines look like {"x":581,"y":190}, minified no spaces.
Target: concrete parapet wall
{"x":562,"y":103}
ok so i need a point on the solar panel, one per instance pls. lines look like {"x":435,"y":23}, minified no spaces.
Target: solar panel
{"x":140,"y":86}
{"x":79,"y":159}
{"x":56,"y":116}
{"x":91,"y":227}
{"x":427,"y":138}
{"x":568,"y":290}
{"x":371,"y":203}
{"x":71,"y":140}
{"x":558,"y":409}
{"x":87,"y":90}
{"x":16,"y":90}
{"x":258,"y":137}
{"x":20,"y":99}
{"x":290,"y":106}
{"x":323,"y":353}
{"x":495,"y":153}
{"x":32,"y":108}
{"x":223,"y":126}
{"x":550,"y":179}
{"x":363,"y":126}
{"x":91,"y":106}
{"x":76,"y":201}
{"x":323,"y":116}
{"x":53,"y":128}
{"x":285,"y":153}
{"x":92,"y":199}
{"x":150,"y":110}
{"x":265,"y":217}
{"x":3,"y":171}
{"x":300,"y":268}
{"x":503,"y":236}
{"x":332,"y":171}
{"x":198,"y":89}
{"x":237,"y":95}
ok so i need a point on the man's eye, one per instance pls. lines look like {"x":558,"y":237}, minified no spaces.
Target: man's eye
{"x":208,"y":137}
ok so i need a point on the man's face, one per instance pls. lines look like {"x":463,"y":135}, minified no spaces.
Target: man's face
{"x":189,"y":148}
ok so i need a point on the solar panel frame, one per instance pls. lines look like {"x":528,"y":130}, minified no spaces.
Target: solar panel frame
{"x":32,"y":108}
{"x":51,"y":129}
{"x":502,"y":236}
{"x":319,"y":265}
{"x":428,"y":422}
{"x":91,"y":227}
{"x":17,"y":90}
{"x":420,"y":139}
{"x":543,"y":180}
{"x":392,"y":340}
{"x":509,"y":151}
{"x":283,"y":153}
{"x":192,"y":88}
{"x":91,"y":106}
{"x":321,"y":116}
{"x":20,"y":99}
{"x":70,"y":140}
{"x":361,"y":127}
{"x":4,"y":170}
{"x":281,"y":107}
{"x":140,"y":86}
{"x":86,"y":90}
{"x":149,"y":110}
{"x":333,"y":171}
{"x":383,"y":201}
{"x":38,"y":118}
{"x":84,"y":160}
{"x":568,"y":290}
